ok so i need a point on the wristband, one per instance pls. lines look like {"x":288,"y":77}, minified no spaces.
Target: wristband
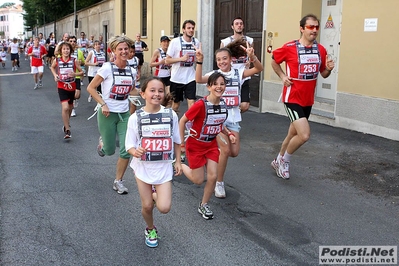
{"x":256,"y":58}
{"x":103,"y":104}
{"x":199,"y":63}
{"x":230,"y":134}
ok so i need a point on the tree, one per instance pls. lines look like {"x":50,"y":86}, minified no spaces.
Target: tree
{"x":39,"y":12}
{"x":7,"y":4}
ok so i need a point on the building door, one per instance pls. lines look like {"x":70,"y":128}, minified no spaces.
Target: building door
{"x":252,"y":14}
{"x":330,"y":35}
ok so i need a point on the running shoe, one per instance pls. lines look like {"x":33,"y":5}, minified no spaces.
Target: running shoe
{"x":73,"y":114}
{"x":183,"y":156}
{"x":219,"y":190}
{"x":205,"y":211}
{"x":40,"y":83}
{"x":68,"y":134}
{"x":283,"y":169}
{"x":75,"y":103}
{"x":151,"y":237}
{"x":81,"y":83}
{"x":36,"y":87}
{"x":119,"y":187}
{"x":274,"y":165}
{"x":100,"y":147}
{"x":89,"y":99}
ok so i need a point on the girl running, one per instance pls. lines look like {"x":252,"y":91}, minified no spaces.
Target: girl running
{"x":232,"y":98}
{"x":207,"y":116}
{"x":153,"y":139}
{"x":65,"y":69}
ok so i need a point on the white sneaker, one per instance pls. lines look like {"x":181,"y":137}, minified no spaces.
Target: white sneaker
{"x":73,"y":114}
{"x":274,"y":165}
{"x":36,"y":86}
{"x":89,"y":99}
{"x":283,"y":169}
{"x":119,"y":187}
{"x":40,"y":83}
{"x":219,"y":190}
{"x":81,"y":83}
{"x":75,"y":103}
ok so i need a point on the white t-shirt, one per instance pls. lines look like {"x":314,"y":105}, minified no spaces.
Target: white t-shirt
{"x":234,"y":114}
{"x":3,"y":55}
{"x":230,"y":39}
{"x":13,"y":48}
{"x":115,"y":106}
{"x":180,"y":74}
{"x":92,"y":71}
{"x":154,"y":173}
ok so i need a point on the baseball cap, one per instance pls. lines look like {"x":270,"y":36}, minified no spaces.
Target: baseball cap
{"x":165,"y":38}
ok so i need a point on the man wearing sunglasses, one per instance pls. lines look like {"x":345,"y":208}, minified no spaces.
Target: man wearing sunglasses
{"x":304,"y":59}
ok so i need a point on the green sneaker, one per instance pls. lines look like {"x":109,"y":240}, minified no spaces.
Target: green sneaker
{"x":151,"y":237}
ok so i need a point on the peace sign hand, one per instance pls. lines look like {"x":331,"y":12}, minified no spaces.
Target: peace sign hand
{"x":250,"y":51}
{"x":199,"y":56}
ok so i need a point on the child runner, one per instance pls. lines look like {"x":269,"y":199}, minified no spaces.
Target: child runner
{"x":94,"y":61}
{"x":232,"y":97}
{"x":207,"y":116}
{"x":3,"y":56}
{"x":37,"y":52}
{"x":64,"y":70}
{"x":153,"y":139}
{"x":162,"y":70}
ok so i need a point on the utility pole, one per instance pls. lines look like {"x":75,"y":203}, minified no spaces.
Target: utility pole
{"x":76,"y":17}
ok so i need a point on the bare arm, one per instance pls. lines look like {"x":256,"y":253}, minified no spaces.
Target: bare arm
{"x":199,"y":57}
{"x":169,"y":60}
{"x":153,"y":62}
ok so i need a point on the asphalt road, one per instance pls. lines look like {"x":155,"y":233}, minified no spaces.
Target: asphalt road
{"x":58,"y":206}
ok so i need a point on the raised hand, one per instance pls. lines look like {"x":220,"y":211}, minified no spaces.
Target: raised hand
{"x":199,"y":56}
{"x":250,"y":51}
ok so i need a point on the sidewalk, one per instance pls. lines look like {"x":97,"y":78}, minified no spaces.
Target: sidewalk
{"x":369,"y":163}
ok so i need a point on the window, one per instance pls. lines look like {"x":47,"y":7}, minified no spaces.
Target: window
{"x":176,"y":17}
{"x":144,"y":19}
{"x":331,"y":2}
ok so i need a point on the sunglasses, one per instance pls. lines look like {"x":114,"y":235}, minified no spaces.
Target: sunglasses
{"x":312,"y":27}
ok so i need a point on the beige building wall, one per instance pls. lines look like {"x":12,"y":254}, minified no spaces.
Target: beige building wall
{"x":369,"y":59}
{"x":367,"y":98}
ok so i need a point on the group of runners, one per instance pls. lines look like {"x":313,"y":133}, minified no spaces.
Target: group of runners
{"x":151,"y":136}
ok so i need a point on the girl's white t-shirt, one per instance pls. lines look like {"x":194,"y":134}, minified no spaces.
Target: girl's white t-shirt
{"x":154,"y":173}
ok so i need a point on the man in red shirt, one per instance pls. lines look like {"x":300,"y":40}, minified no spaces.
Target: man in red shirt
{"x":304,"y":59}
{"x":37,"y":52}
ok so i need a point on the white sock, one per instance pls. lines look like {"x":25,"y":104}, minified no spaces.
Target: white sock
{"x":279,"y":157}
{"x":287,"y":157}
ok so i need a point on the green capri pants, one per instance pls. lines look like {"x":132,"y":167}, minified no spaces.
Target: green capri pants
{"x":115,"y":123}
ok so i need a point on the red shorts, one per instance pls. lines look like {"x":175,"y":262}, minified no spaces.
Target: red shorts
{"x":198,"y":152}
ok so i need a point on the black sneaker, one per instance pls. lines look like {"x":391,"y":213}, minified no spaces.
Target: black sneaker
{"x":205,"y":211}
{"x":67,"y":134}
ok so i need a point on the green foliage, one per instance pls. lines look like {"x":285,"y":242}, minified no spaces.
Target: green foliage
{"x":39,"y":12}
{"x":7,"y":4}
